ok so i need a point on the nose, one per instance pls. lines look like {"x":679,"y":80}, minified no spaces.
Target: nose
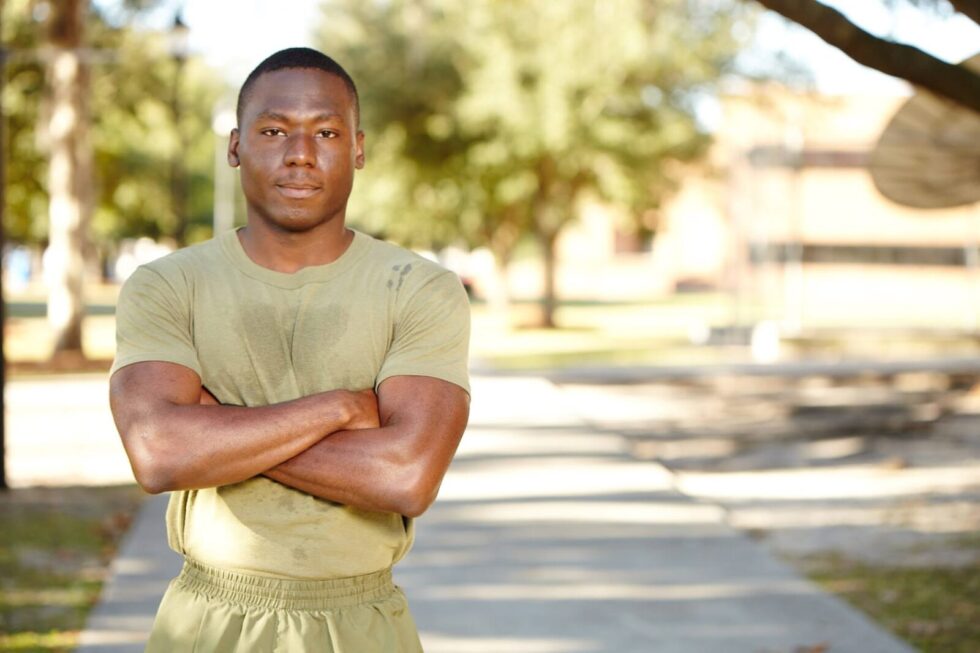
{"x":300,"y":150}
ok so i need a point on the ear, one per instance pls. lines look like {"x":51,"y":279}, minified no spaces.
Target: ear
{"x":233,"y":141}
{"x":359,"y":150}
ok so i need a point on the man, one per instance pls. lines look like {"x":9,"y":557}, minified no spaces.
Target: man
{"x":300,"y":388}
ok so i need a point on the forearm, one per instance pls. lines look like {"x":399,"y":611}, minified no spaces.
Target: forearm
{"x":177,"y":447}
{"x":356,"y":468}
{"x":395,"y":468}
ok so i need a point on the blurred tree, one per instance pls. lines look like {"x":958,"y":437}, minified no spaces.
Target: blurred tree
{"x":955,"y":82}
{"x":132,"y":135}
{"x":26,"y":196}
{"x":493,"y":120}
{"x":3,"y":308}
{"x":64,"y":128}
{"x":136,"y":139}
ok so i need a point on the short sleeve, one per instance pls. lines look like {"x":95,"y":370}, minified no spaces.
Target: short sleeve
{"x":153,"y":323}
{"x":432,"y":333}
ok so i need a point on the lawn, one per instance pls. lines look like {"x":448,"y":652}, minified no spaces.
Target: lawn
{"x":937,"y":610}
{"x":55,"y":548}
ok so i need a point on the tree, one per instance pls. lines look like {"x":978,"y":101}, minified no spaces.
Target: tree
{"x":25,"y":194}
{"x":131,"y":134}
{"x":953,"y":81}
{"x":500,"y":118}
{"x":135,"y":139}
{"x":69,"y":173}
{"x":3,"y":308}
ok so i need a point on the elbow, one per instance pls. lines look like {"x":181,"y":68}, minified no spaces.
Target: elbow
{"x":413,"y":506}
{"x":416,"y":496}
{"x":153,"y":480}
{"x":151,"y":486}
{"x":152,"y":475}
{"x":153,"y":466}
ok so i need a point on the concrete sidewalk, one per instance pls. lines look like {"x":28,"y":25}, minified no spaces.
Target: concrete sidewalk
{"x":140,"y":573}
{"x":548,"y":538}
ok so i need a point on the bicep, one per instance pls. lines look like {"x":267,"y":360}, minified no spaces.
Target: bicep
{"x":430,"y":408}
{"x":429,"y":416}
{"x":135,"y":391}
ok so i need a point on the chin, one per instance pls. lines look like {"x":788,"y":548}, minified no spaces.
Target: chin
{"x":300,"y":223}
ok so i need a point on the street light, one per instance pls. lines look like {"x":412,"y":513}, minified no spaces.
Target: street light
{"x":178,"y":40}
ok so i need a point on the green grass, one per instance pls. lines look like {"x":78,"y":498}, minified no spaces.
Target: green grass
{"x":599,"y":353}
{"x":40,"y":309}
{"x":659,"y":332}
{"x":55,"y":548}
{"x":935,"y":609}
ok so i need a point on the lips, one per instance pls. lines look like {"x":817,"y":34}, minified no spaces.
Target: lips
{"x":297,"y":190}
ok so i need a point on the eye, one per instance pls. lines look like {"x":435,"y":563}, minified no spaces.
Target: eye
{"x":326,"y":133}
{"x":272,"y":131}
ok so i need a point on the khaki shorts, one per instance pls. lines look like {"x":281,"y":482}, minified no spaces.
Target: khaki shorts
{"x":210,"y":610}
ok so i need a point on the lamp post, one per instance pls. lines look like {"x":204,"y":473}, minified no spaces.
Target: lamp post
{"x":178,"y":174}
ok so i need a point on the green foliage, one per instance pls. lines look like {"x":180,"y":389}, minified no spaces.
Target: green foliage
{"x":488,"y":121}
{"x":24,"y":163}
{"x":136,"y":139}
{"x":134,"y":136}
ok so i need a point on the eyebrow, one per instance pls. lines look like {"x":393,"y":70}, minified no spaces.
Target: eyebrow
{"x":271,"y":115}
{"x":320,"y":117}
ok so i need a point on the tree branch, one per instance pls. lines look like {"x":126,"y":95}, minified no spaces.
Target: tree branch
{"x":955,"y":82}
{"x":969,"y":8}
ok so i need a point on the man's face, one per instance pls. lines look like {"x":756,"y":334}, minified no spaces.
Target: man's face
{"x":298,"y":146}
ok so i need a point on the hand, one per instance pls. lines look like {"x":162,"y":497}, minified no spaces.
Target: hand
{"x":208,"y":399}
{"x":362,"y":406}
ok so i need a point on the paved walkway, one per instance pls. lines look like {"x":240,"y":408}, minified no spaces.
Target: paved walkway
{"x":121,"y":620}
{"x":548,"y":538}
{"x":59,"y":431}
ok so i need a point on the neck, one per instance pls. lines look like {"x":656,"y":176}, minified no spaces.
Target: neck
{"x":288,"y":251}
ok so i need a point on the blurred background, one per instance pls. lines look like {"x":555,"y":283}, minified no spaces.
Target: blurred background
{"x":755,"y":257}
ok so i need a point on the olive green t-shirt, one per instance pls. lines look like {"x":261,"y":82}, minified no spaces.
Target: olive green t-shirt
{"x":257,"y":337}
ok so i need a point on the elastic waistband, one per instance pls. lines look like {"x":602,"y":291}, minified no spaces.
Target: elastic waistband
{"x":284,"y":593}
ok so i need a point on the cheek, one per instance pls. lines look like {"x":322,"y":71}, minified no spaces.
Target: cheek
{"x":253,"y":181}
{"x":256,"y":156}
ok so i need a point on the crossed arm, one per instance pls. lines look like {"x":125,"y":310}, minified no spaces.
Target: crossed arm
{"x":387,"y":452}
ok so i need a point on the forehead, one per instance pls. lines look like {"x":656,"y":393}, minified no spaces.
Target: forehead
{"x":297,"y":91}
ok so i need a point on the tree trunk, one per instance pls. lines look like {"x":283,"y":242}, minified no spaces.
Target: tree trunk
{"x":69,"y":176}
{"x":547,"y":225}
{"x":501,"y":241}
{"x":549,"y":302}
{"x":969,"y":8}
{"x":498,"y":297}
{"x":955,"y":82}
{"x":3,"y":309}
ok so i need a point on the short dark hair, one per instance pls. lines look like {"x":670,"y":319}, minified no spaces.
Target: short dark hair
{"x":298,"y":58}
